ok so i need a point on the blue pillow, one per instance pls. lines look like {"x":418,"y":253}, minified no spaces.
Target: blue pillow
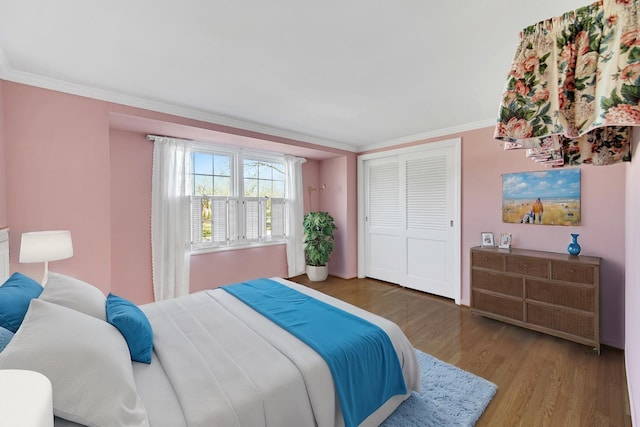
{"x":5,"y":337}
{"x":15,"y":295}
{"x":133,"y":325}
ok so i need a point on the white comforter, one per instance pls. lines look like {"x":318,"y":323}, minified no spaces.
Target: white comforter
{"x":217,"y":362}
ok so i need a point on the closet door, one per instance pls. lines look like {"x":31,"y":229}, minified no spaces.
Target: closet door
{"x":411,"y":230}
{"x":384,"y":239}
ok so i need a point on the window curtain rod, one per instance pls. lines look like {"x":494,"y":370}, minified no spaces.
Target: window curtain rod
{"x":154,"y":137}
{"x":276,"y":155}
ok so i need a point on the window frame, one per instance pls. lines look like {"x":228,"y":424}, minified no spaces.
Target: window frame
{"x":237,"y":189}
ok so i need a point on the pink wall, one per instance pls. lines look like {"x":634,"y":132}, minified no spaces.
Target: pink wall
{"x":131,"y":157}
{"x":339,"y":199}
{"x":311,"y":178}
{"x":602,"y":232}
{"x":632,"y":296}
{"x":218,"y":268}
{"x":57,"y":176}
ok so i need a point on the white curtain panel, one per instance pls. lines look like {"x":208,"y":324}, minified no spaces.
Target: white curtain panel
{"x":295,"y":232}
{"x":170,"y":217}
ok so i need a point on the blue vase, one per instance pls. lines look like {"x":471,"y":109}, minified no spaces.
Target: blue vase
{"x":574,"y":248}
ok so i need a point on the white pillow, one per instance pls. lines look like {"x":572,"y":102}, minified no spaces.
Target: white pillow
{"x":86,"y":360}
{"x":75,"y":294}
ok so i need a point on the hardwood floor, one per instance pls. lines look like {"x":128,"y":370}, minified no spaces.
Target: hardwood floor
{"x":542,"y":380}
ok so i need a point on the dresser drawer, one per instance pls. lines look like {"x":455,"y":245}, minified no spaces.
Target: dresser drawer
{"x":527,"y":266}
{"x":500,"y":283}
{"x":487,"y":260}
{"x":499,"y":305}
{"x":581,"y":325}
{"x":578,"y":297}
{"x":577,"y":273}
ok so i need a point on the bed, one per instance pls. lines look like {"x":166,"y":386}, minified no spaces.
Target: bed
{"x":213,"y":360}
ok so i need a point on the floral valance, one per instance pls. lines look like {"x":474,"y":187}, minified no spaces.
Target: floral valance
{"x":574,"y":87}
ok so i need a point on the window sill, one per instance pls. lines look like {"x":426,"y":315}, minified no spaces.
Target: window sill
{"x":201,"y":251}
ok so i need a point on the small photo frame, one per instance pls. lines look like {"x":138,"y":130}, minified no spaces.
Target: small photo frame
{"x":505,"y":241}
{"x":487,"y":240}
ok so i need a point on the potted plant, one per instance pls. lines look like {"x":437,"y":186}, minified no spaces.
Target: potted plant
{"x":318,"y":239}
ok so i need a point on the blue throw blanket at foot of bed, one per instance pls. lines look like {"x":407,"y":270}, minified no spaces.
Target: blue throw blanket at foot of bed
{"x":355,"y":349}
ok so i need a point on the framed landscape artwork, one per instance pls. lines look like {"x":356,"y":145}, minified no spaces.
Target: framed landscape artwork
{"x":547,"y":197}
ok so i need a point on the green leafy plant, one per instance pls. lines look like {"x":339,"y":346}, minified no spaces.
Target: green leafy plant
{"x":318,"y":238}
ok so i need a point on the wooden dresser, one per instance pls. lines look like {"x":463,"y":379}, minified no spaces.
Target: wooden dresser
{"x":554,"y":293}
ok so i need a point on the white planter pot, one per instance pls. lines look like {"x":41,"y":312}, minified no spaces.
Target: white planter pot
{"x":317,"y":274}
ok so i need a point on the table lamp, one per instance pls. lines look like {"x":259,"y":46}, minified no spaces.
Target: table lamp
{"x":25,"y":399}
{"x":45,"y":246}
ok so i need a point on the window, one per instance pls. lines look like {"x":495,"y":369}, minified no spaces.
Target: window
{"x":237,"y":199}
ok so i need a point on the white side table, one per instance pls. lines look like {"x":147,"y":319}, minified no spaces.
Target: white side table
{"x":25,"y":399}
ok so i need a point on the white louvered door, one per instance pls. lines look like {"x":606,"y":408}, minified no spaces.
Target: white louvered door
{"x":411,"y":212}
{"x":384,"y":234}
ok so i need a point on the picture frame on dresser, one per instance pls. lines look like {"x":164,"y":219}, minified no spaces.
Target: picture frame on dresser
{"x":505,"y":241}
{"x":487,"y":239}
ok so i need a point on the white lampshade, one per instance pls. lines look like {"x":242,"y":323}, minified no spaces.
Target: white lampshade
{"x":45,"y":246}
{"x":25,"y":399}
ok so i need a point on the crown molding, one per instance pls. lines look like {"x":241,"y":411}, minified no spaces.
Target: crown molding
{"x":7,"y":73}
{"x":428,"y":135}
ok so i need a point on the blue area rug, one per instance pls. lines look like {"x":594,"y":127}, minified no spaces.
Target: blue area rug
{"x":450,"y":396}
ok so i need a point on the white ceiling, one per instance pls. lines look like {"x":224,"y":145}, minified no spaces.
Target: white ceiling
{"x":350,"y":74}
